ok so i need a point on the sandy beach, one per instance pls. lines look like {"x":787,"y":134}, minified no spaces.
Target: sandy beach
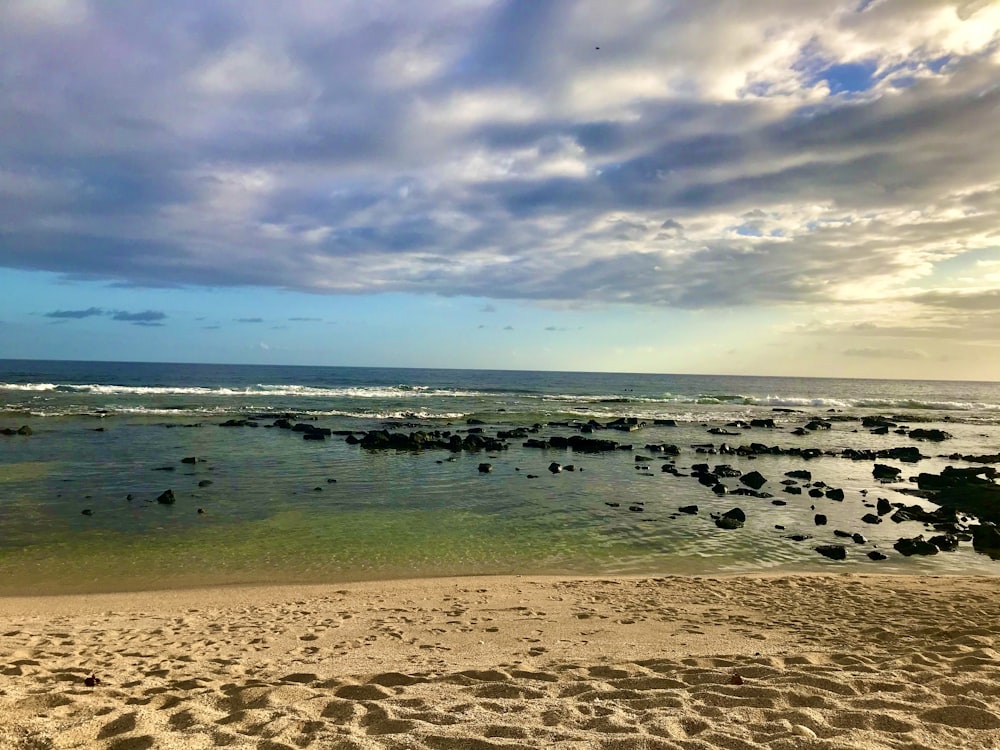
{"x":782,"y":662}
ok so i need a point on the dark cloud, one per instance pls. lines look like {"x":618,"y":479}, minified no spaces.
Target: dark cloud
{"x":88,"y":313}
{"x":695,"y":161}
{"x":146,"y":317}
{"x":249,"y":320}
{"x":306,"y":320}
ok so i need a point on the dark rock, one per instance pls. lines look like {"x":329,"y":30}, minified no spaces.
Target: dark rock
{"x":689,"y":509}
{"x":859,"y":539}
{"x":555,"y":468}
{"x":192,"y":460}
{"x":24,"y":430}
{"x":778,"y":502}
{"x":204,"y":482}
{"x":283,"y":424}
{"x":915,"y":546}
{"x":626,"y":424}
{"x":945,"y":542}
{"x":708,"y":480}
{"x":799,"y":537}
{"x":871,"y":518}
{"x":636,"y":508}
{"x":842,"y":534}
{"x":485,"y":468}
{"x":166,"y":498}
{"x":721,"y":431}
{"x":933,"y":435}
{"x":725,"y":470}
{"x":612,"y":505}
{"x":87,"y":512}
{"x":877,"y":421}
{"x":876,"y":556}
{"x":754,"y":479}
{"x":731,"y":519}
{"x":818,"y":424}
{"x":986,"y":540}
{"x":762,"y":422}
{"x":800,"y":474}
{"x":720,"y":489}
{"x":793,"y":490}
{"x":883,"y":472}
{"x":819,"y":519}
{"x":833,"y":551}
{"x":883,"y":506}
{"x":880,"y":431}
{"x":972,"y":490}
{"x":835,"y":494}
{"x":815,"y":492}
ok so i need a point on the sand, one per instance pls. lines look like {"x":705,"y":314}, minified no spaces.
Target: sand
{"x":783,"y":662}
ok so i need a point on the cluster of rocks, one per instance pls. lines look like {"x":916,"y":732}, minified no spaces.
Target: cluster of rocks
{"x":417,"y":441}
{"x":22,"y":430}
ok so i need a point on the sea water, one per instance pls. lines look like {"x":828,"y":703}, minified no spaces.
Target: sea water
{"x":78,"y":508}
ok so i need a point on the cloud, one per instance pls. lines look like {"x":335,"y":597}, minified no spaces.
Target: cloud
{"x":146,"y":317}
{"x":889,"y":353}
{"x":707,"y":156}
{"x":488,"y":309}
{"x":88,"y":313}
{"x":249,"y":320}
{"x":306,"y":320}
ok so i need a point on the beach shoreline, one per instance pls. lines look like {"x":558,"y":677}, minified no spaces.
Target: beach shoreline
{"x":762,"y":661}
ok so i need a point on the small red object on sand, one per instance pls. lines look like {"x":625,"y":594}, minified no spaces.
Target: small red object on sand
{"x":736,"y":680}
{"x":92,"y":681}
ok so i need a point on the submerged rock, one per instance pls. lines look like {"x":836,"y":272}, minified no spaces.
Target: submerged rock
{"x":166,"y":498}
{"x":833,"y":551}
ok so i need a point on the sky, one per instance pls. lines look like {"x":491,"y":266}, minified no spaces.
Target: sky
{"x":773,"y":188}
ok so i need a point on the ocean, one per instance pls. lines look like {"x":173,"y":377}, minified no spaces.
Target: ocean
{"x":256,"y":503}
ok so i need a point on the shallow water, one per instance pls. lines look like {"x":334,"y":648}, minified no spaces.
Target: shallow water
{"x":272,"y":514}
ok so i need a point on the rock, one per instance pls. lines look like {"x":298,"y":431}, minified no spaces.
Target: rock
{"x":835,"y":494}
{"x":883,"y":472}
{"x":166,"y":498}
{"x":555,"y":468}
{"x":793,"y":490}
{"x":876,"y":556}
{"x":972,"y":490}
{"x":859,"y":539}
{"x":192,"y":460}
{"x":915,"y":546}
{"x":87,"y":512}
{"x":731,"y":519}
{"x":689,"y":509}
{"x":800,"y":474}
{"x":871,"y":518}
{"x":799,"y":537}
{"x":986,"y":540}
{"x":945,"y":542}
{"x":819,"y":519}
{"x":933,"y":435}
{"x":24,"y":430}
{"x":877,"y":421}
{"x":725,"y":470}
{"x":833,"y":551}
{"x":754,"y":480}
{"x":204,"y":482}
{"x":883,"y":506}
{"x":485,"y":468}
{"x":636,"y":508}
{"x":762,"y":422}
{"x":842,"y":534}
{"x":720,"y":489}
{"x":815,"y":492}
{"x":818,"y":424}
